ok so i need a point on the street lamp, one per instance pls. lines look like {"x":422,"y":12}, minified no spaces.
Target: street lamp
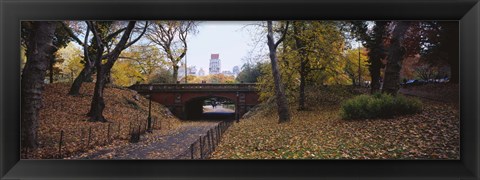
{"x":237,"y":114}
{"x":186,"y":69}
{"x":149,"y":119}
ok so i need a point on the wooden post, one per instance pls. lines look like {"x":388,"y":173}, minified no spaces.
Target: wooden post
{"x":89,"y":136}
{"x":191,"y":150}
{"x":219,"y":135}
{"x":215,"y":134}
{"x":209,"y":139}
{"x":108,"y":132}
{"x":60,"y":144}
{"x":82,"y":137}
{"x":201,"y":148}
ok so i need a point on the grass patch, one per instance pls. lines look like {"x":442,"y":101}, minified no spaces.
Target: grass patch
{"x":379,"y":106}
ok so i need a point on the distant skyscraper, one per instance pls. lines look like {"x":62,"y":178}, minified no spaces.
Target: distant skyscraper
{"x":192,"y":70}
{"x":236,"y":70}
{"x":201,"y":72}
{"x":214,"y":64}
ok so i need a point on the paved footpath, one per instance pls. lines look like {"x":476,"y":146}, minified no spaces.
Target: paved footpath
{"x":166,"y":146}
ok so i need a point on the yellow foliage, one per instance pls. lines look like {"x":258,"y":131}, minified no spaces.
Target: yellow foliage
{"x":72,"y":60}
{"x":213,"y":78}
{"x":125,"y":74}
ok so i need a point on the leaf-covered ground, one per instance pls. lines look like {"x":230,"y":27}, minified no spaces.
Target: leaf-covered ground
{"x":321,"y":134}
{"x":124,"y":110}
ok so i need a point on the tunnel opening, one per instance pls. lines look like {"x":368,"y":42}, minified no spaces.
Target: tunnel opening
{"x":210,"y":108}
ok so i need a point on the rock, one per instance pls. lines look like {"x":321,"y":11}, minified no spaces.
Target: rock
{"x":136,"y":97}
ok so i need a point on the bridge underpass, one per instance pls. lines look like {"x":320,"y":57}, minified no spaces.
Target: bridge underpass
{"x":190,"y":101}
{"x":205,"y":108}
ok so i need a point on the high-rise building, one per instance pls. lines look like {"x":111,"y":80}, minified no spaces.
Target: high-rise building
{"x":201,"y":72}
{"x":192,"y":70}
{"x":236,"y":70}
{"x":214,"y":64}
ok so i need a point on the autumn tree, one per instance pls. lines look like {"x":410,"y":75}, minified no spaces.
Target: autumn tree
{"x":89,"y":48}
{"x":282,"y":103}
{"x":437,"y":42}
{"x":300,"y":46}
{"x":147,"y":59}
{"x":374,"y":41}
{"x":323,"y":60}
{"x":105,"y":62}
{"x":316,"y":46}
{"x":355,"y":67}
{"x":40,"y":50}
{"x":171,"y":36}
{"x":162,"y":75}
{"x":426,"y":72}
{"x":396,"y":54}
{"x":450,"y":43}
{"x":60,"y":40}
{"x":71,"y":61}
{"x":219,"y":78}
{"x":249,"y":73}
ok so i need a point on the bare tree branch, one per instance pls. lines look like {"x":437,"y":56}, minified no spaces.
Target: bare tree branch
{"x":71,"y":34}
{"x":283,"y":35}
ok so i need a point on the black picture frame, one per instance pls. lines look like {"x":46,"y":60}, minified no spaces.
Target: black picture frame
{"x":467,"y":12}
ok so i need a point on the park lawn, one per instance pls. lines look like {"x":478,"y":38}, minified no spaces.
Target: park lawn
{"x":321,"y":134}
{"x":124,"y":110}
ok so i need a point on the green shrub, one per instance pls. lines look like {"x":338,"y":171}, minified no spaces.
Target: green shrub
{"x":379,"y":106}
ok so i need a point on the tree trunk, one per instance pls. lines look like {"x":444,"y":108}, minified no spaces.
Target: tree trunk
{"x":376,"y":54}
{"x":391,"y":84}
{"x":300,"y":47}
{"x":82,"y":77}
{"x":375,"y":75}
{"x":282,"y":103}
{"x":98,"y":103}
{"x":301,"y":100}
{"x":175,"y":73}
{"x":108,"y":77}
{"x":40,"y":50}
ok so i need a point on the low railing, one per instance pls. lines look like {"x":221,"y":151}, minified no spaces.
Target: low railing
{"x":205,"y":145}
{"x":194,"y":87}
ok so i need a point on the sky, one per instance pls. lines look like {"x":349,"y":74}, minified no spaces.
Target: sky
{"x":231,"y":39}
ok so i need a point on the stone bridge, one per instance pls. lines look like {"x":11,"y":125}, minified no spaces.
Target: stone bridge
{"x":186,"y":100}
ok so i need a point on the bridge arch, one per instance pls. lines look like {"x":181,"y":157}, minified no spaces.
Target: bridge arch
{"x":177,"y":97}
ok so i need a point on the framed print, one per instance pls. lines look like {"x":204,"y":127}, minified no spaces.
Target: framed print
{"x":239,"y":89}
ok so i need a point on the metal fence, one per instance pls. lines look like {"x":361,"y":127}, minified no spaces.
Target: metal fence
{"x":205,"y":145}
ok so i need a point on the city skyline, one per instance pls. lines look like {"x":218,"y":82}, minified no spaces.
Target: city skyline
{"x":230,"y":39}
